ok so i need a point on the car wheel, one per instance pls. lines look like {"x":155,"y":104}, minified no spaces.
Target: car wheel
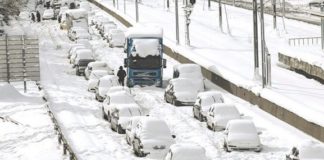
{"x":120,"y":129}
{"x":226,"y":147}
{"x":200,"y":118}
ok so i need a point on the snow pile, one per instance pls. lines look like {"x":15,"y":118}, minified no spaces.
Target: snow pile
{"x":145,"y":47}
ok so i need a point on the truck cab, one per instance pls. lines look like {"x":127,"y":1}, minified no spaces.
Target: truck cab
{"x":144,"y":62}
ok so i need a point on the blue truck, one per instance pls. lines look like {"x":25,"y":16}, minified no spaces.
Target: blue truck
{"x":144,"y":61}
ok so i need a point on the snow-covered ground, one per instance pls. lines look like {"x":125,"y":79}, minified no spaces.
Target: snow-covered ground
{"x":229,"y":53}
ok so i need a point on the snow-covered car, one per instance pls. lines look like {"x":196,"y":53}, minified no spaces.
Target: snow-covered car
{"x":84,"y":42}
{"x":118,"y":88}
{"x":24,"y":15}
{"x":75,"y":52}
{"x":115,"y":99}
{"x":104,"y":30}
{"x":72,"y":32}
{"x":94,"y":78}
{"x":121,"y":115}
{"x":241,"y":134}
{"x":102,"y":23}
{"x":152,"y":137}
{"x":104,"y":84}
{"x":82,"y":35}
{"x":182,"y":91}
{"x":116,"y":38}
{"x":307,"y":150}
{"x":82,"y":59}
{"x":74,"y":48}
{"x":219,"y":114}
{"x":48,"y":14}
{"x":97,"y":65}
{"x":186,"y":151}
{"x":203,"y":102}
{"x":130,"y":129}
{"x":187,"y":70}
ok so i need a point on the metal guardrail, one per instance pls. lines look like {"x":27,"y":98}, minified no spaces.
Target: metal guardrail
{"x":304,"y":41}
{"x":67,"y":150}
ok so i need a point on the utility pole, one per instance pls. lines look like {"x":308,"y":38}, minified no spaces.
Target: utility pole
{"x":168,"y":4}
{"x":322,"y":26}
{"x":124,"y":6}
{"x":274,"y":14}
{"x":284,"y":8}
{"x":263,"y":56}
{"x":114,"y":3}
{"x":187,"y":10}
{"x":209,"y":4}
{"x":136,"y":9}
{"x":118,"y":4}
{"x":255,"y":40}
{"x":220,"y":15}
{"x":177,"y":21}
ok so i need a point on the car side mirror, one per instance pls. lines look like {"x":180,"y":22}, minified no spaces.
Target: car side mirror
{"x":173,"y":136}
{"x":164,"y":61}
{"x":125,"y":62}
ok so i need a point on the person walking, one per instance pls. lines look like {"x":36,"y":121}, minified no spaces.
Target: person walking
{"x":121,"y":75}
{"x":33,"y":17}
{"x":38,"y":16}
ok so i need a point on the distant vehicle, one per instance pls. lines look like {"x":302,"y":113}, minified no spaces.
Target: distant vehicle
{"x":220,"y":114}
{"x":203,"y":102}
{"x":116,"y":99}
{"x":130,"y":129}
{"x":106,"y":27}
{"x":73,"y":48}
{"x":121,"y":115}
{"x":104,"y":84}
{"x":94,"y":78}
{"x":187,"y":70}
{"x":48,"y":14}
{"x":144,"y":51}
{"x":116,"y":38}
{"x":241,"y":135}
{"x":72,"y":32}
{"x":85,"y":5}
{"x":186,"y":151}
{"x":82,"y":59}
{"x":182,"y":91}
{"x":97,"y":65}
{"x":152,"y":137}
{"x":307,"y":150}
{"x":95,"y":19}
{"x":102,"y":22}
{"x":75,"y":52}
{"x":77,"y":18}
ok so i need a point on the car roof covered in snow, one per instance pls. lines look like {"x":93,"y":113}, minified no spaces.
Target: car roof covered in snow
{"x":311,"y":150}
{"x":213,"y":96}
{"x":188,"y":151}
{"x":136,"y":32}
{"x":154,"y":128}
{"x":225,"y":109}
{"x":121,"y":97}
{"x":241,"y":126}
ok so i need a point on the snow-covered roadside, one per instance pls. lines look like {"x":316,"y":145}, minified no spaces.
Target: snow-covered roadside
{"x":26,"y":130}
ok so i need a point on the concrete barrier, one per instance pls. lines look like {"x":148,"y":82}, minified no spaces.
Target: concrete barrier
{"x":280,"y":112}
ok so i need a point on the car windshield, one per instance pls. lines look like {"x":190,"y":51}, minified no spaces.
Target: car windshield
{"x":149,"y":62}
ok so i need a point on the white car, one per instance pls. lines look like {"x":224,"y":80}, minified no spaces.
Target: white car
{"x":130,"y":129}
{"x":82,"y":59}
{"x":97,"y":65}
{"x":152,"y":137}
{"x":104,"y":84}
{"x":241,"y":135}
{"x":219,"y":114}
{"x":188,"y":70}
{"x":121,"y":115}
{"x":116,"y":38}
{"x":82,"y":35}
{"x":203,"y":101}
{"x":74,"y":54}
{"x":72,"y":32}
{"x":48,"y":14}
{"x":186,"y":151}
{"x":182,"y":91}
{"x":114,"y":99}
{"x":73,"y":49}
{"x":308,"y":150}
{"x":94,"y":78}
{"x":104,"y":30}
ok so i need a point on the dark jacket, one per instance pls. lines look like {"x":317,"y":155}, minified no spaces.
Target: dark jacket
{"x":121,"y":74}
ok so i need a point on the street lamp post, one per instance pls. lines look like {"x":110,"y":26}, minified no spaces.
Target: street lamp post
{"x":136,"y":10}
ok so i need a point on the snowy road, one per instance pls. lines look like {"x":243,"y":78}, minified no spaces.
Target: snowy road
{"x":91,"y":137}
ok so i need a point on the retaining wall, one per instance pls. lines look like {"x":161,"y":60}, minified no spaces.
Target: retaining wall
{"x":281,"y":113}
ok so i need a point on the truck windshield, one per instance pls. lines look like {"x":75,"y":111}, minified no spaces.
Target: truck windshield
{"x":148,"y":62}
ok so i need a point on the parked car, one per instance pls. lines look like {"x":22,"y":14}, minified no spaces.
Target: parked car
{"x":82,"y":35}
{"x":152,"y":137}
{"x":94,"y":78}
{"x":48,"y":14}
{"x":73,"y":49}
{"x":241,"y":135}
{"x":102,"y":23}
{"x":83,"y":58}
{"x":187,"y":70}
{"x":116,"y":38}
{"x":203,"y":102}
{"x":308,"y":150}
{"x":121,"y":115}
{"x":97,"y":65}
{"x":130,"y":129}
{"x":219,"y":114}
{"x":186,"y":151}
{"x":104,"y":30}
{"x":104,"y":84}
{"x":78,"y":51}
{"x":94,"y":20}
{"x":101,"y":20}
{"x":182,"y":91}
{"x":72,"y":32}
{"x":114,"y":99}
